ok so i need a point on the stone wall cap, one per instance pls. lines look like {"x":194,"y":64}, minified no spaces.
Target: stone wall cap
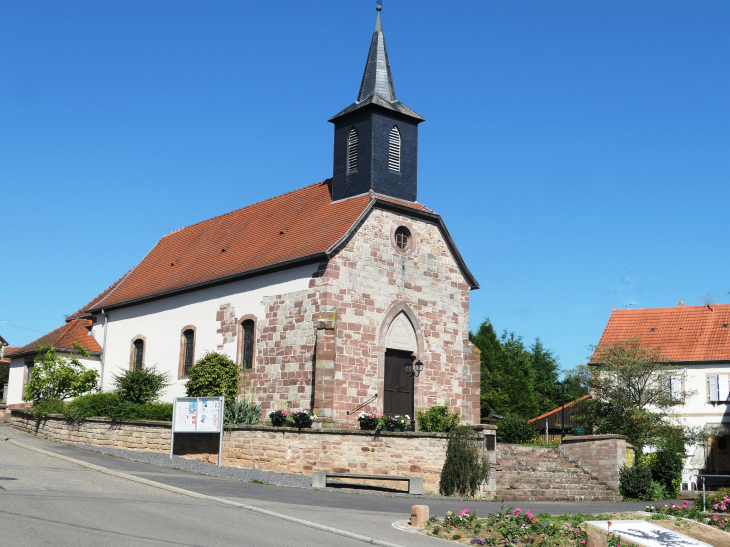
{"x":24,"y":412}
{"x":589,"y":438}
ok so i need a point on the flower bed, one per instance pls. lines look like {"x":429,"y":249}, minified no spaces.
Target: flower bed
{"x":693,"y":513}
{"x":379,"y":422}
{"x":509,"y":528}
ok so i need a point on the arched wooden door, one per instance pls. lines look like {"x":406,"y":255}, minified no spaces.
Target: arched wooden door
{"x":398,"y":387}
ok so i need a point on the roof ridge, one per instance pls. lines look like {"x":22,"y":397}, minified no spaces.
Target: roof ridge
{"x":685,"y":307}
{"x":244,"y":207}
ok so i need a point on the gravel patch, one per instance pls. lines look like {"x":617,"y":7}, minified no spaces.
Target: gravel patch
{"x":178,"y":462}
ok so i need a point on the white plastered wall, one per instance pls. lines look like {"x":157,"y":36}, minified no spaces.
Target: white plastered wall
{"x":17,"y":374}
{"x":161,"y":323}
{"x":697,"y":410}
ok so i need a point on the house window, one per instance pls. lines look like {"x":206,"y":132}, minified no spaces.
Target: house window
{"x":394,"y":149}
{"x":718,"y":387}
{"x":29,"y":364}
{"x":247,"y":343}
{"x":672,"y":389}
{"x":352,"y":151}
{"x":402,"y":237}
{"x":187,"y":351}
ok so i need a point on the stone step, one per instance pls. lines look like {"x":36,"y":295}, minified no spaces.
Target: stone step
{"x":542,"y":474}
{"x":554,"y":486}
{"x":566,"y":496}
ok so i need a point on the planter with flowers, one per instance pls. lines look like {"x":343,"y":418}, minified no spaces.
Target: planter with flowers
{"x":302,"y":419}
{"x":371,"y":421}
{"x":280,"y":418}
{"x":398,"y":423}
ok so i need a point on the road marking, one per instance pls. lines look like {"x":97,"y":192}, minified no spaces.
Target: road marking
{"x":190,"y":493}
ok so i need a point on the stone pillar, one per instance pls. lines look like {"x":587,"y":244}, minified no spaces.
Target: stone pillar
{"x":324,"y":366}
{"x":471,"y":400}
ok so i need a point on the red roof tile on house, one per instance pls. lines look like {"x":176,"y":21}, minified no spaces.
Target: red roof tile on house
{"x":64,"y":337}
{"x":293,"y":226}
{"x":7,"y":352}
{"x":685,"y":333}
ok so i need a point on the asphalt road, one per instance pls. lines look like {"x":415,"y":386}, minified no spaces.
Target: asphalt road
{"x":57,"y":503}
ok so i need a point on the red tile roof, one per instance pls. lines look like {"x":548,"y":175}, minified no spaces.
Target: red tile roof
{"x":64,"y":337}
{"x":293,"y":226}
{"x":8,"y":350}
{"x":685,"y":333}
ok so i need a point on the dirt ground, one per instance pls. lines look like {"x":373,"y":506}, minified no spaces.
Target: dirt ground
{"x":716,"y":538}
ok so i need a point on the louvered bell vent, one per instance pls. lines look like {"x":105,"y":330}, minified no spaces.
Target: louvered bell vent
{"x":394,"y":150}
{"x":352,"y":151}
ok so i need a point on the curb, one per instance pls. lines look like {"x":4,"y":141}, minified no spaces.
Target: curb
{"x":191,"y":494}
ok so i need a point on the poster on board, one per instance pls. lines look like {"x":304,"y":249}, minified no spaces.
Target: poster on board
{"x":209,"y":415}
{"x":186,"y":415}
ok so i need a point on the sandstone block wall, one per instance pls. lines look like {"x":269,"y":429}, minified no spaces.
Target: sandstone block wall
{"x":600,"y":455}
{"x":282,"y":450}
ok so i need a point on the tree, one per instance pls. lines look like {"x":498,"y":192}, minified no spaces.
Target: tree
{"x":544,"y":373}
{"x":141,"y":385}
{"x":630,"y":395}
{"x":213,"y":375}
{"x":56,"y":377}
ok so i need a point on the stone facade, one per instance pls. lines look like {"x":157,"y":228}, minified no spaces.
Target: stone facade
{"x":283,"y":450}
{"x":600,"y":455}
{"x":332,"y":336}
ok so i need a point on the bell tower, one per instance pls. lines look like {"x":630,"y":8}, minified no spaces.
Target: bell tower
{"x":376,"y":137}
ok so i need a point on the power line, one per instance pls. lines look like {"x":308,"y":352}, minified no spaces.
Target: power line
{"x":19,"y":327}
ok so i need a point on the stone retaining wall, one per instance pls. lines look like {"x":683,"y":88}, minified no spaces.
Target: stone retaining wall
{"x":282,"y":450}
{"x":600,"y":455}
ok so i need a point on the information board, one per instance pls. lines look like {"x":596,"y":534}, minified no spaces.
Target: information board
{"x":198,"y":415}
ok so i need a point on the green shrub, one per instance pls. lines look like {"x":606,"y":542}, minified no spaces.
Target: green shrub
{"x":657,"y":492}
{"x":666,"y":468}
{"x":93,"y":404}
{"x":141,"y":385}
{"x":515,"y":430}
{"x":44,"y":407}
{"x":635,"y":482}
{"x":111,"y":405}
{"x":59,"y":378}
{"x":437,"y":419}
{"x":464,"y":469}
{"x":213,"y":375}
{"x":243,"y":413}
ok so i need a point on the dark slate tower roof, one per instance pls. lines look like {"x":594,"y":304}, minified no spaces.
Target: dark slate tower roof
{"x":377,"y":81}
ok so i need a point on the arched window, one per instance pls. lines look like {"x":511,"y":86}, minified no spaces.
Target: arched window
{"x":136,"y":352}
{"x":394,"y":149}
{"x":247,"y":343}
{"x":352,"y":151}
{"x":187,"y":351}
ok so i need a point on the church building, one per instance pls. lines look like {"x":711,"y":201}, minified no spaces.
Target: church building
{"x":344,"y":292}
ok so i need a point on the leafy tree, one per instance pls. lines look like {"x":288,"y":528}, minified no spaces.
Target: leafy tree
{"x":629,"y":398}
{"x":213,"y":375}
{"x":141,"y":385}
{"x":464,"y":468}
{"x":55,"y":377}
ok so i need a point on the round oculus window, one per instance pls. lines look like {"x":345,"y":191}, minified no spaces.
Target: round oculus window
{"x":403,"y":238}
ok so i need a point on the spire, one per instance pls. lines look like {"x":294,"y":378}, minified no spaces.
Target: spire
{"x":377,"y":78}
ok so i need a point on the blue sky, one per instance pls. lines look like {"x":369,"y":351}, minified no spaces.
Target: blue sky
{"x":579,"y":152}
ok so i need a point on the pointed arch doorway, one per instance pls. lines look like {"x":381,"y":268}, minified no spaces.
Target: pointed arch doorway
{"x":399,"y":387}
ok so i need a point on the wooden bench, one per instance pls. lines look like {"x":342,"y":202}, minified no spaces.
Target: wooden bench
{"x":415,"y":484}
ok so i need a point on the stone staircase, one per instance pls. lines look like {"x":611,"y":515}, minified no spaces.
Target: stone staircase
{"x":543,"y":473}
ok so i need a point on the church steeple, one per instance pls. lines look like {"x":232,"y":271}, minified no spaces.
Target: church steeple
{"x":377,"y":77}
{"x":376,"y":137}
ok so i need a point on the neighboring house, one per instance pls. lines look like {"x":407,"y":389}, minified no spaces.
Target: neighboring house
{"x":322,"y":295}
{"x":697,"y":338}
{"x":5,"y":351}
{"x":22,"y":359}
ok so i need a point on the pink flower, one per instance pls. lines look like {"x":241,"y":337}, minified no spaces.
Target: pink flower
{"x":714,"y":506}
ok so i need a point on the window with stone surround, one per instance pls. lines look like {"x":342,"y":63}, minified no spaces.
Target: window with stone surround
{"x":247,"y":343}
{"x":402,"y":237}
{"x":187,"y":351}
{"x":136,"y":352}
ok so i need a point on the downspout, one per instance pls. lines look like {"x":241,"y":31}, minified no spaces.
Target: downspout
{"x":103,"y":349}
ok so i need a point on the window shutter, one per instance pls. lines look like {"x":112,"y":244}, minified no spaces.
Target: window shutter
{"x":713,"y":389}
{"x":677,"y":389}
{"x":352,"y":150}
{"x":394,"y":150}
{"x":723,"y":387}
